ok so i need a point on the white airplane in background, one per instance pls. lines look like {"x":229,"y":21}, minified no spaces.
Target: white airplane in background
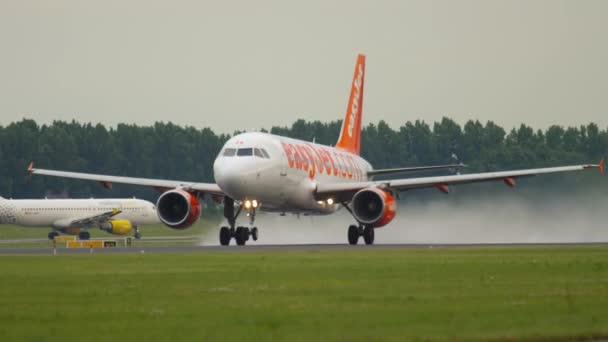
{"x":259,"y":171}
{"x":75,"y":216}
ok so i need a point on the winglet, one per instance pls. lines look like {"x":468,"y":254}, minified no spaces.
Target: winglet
{"x":30,"y":171}
{"x":601,"y":166}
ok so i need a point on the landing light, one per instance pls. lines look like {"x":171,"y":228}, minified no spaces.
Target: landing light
{"x":330,"y":201}
{"x":251,"y":204}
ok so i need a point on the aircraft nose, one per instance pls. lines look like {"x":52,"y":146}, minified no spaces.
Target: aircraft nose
{"x":229,"y":180}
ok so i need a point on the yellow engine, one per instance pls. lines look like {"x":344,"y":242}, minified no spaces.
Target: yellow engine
{"x":117,"y":227}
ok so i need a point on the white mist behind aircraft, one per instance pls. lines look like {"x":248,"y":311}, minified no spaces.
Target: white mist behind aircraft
{"x":258,"y":171}
{"x":76,"y":216}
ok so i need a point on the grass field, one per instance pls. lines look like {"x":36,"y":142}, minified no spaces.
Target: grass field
{"x":519,"y":293}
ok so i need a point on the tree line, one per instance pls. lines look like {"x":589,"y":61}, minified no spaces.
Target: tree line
{"x":169,"y":151}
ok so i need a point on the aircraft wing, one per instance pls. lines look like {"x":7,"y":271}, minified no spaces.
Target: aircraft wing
{"x":383,"y":172}
{"x":343,"y":192}
{"x":94,"y":220}
{"x":107,"y":181}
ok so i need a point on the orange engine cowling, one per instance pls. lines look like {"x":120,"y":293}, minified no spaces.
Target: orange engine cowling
{"x":374,"y":207}
{"x":178,"y":209}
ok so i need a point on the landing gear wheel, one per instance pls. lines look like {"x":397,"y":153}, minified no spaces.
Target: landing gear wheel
{"x":353,"y":234}
{"x":368,"y":235}
{"x":53,"y":235}
{"x":225,"y":236}
{"x":254,"y":233}
{"x":137,"y":235}
{"x":241,"y":236}
{"x":84,"y":235}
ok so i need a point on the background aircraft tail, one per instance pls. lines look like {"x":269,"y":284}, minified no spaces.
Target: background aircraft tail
{"x":350,"y":134}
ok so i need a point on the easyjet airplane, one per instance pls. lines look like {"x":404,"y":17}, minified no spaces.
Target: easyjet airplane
{"x":259,"y":171}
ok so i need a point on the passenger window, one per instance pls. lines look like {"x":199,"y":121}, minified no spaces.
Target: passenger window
{"x":229,"y":152}
{"x":265,"y":153}
{"x":258,"y":153}
{"x":243,"y":152}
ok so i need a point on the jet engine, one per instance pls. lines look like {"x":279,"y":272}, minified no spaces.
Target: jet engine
{"x":117,"y":227}
{"x":373,"y":206}
{"x":178,"y":209}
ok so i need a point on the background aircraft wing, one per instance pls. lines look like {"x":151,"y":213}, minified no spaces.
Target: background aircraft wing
{"x":107,"y":181}
{"x":94,"y":220}
{"x":343,"y":192}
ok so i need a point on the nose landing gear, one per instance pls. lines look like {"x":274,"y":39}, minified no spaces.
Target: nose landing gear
{"x":240,"y":234}
{"x":137,"y":234}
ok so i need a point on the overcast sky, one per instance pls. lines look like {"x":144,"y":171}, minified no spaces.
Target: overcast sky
{"x":251,"y":64}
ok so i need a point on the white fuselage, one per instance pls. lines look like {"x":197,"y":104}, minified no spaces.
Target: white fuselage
{"x":56,"y":212}
{"x":282,"y":174}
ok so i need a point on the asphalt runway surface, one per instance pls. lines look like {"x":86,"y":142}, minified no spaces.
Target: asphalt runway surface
{"x":251,"y":248}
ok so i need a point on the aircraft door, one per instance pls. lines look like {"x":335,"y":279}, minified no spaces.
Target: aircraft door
{"x":284,"y":164}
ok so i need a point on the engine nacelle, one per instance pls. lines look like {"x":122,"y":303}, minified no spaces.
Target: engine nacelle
{"x":117,"y":227}
{"x":178,"y":209}
{"x":374,"y":207}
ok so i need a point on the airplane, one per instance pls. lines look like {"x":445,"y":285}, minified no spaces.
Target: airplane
{"x":76,"y":216}
{"x":264,"y":172}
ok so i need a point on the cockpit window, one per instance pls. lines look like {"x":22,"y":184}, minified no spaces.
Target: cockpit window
{"x":229,"y":152}
{"x":258,"y":153}
{"x":265,"y":153}
{"x":242,"y":152}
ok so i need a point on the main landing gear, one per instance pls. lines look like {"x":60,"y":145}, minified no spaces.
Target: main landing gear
{"x":81,"y":236}
{"x":354,"y":232}
{"x":240,"y":234}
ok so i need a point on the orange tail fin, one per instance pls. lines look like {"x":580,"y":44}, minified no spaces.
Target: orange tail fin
{"x":350,"y":134}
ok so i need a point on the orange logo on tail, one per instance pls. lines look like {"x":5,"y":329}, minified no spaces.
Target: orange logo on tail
{"x":350,"y":134}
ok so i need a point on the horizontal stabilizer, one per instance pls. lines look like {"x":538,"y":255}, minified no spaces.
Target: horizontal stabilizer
{"x":414,"y":169}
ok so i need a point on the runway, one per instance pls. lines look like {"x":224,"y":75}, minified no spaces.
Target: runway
{"x":254,"y":248}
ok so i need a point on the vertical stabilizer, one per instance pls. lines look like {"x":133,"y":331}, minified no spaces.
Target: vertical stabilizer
{"x":350,"y":134}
